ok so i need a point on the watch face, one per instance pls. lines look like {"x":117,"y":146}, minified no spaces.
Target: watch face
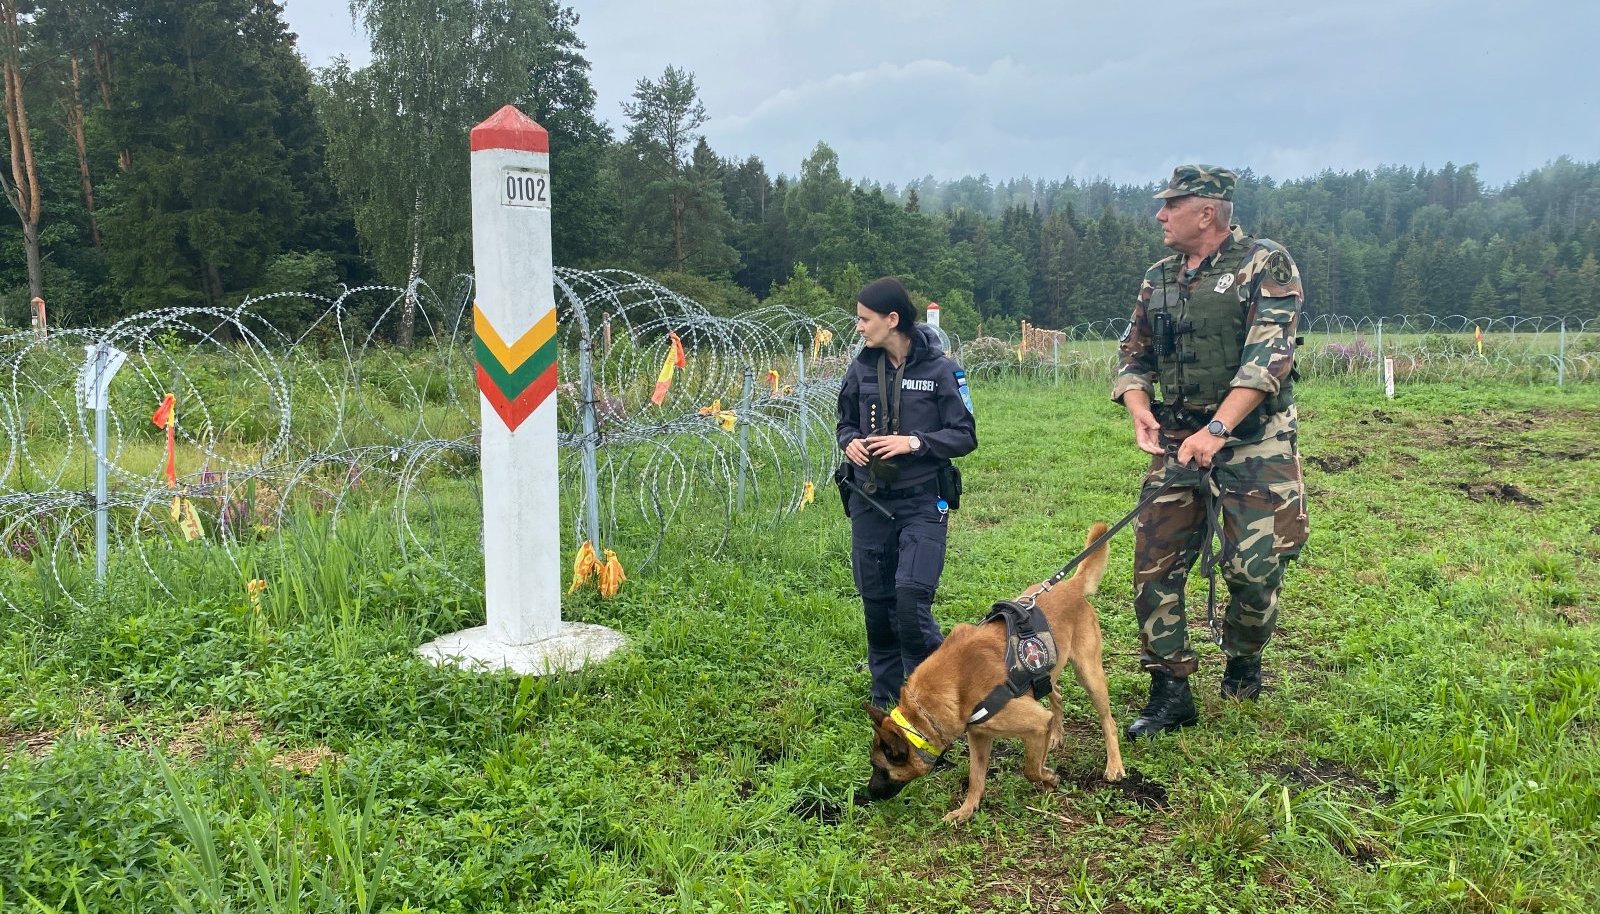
{"x":1216,"y":427}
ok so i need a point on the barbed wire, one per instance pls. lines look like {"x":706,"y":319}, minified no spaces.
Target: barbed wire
{"x":273,"y":430}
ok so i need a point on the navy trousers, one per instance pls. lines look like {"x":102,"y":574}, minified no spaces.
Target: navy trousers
{"x":897,"y":566}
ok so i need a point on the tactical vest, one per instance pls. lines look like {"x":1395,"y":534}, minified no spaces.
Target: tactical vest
{"x":1209,"y":326}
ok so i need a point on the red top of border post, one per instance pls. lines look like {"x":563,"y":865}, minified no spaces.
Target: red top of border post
{"x":509,"y":128}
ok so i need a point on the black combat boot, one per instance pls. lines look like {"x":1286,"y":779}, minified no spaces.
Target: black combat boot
{"x":1171,"y":706}
{"x":1242,"y":679}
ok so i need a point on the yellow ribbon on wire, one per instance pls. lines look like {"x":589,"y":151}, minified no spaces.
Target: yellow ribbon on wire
{"x":608,"y":574}
{"x":584,"y":566}
{"x":823,"y":337}
{"x":611,"y":575}
{"x":808,"y":494}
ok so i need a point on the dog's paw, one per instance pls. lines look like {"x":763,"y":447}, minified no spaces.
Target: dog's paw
{"x":1047,"y":781}
{"x":958,"y":815}
{"x":1057,"y":737}
{"x":1115,"y":774}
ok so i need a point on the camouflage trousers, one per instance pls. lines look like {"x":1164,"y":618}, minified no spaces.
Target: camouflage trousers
{"x":1261,"y":497}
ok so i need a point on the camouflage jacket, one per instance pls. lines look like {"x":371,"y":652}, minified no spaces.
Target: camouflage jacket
{"x":1267,"y":284}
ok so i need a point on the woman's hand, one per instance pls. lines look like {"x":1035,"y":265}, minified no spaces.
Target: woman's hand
{"x":886,"y":446}
{"x":856,"y":451}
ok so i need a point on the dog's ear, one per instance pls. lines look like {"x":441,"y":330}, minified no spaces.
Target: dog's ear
{"x":895,"y":747}
{"x":878,"y":716}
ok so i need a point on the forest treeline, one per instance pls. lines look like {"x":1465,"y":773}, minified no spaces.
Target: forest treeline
{"x":181,"y":153}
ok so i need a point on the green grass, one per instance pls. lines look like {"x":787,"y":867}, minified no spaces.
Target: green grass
{"x":1430,"y":742}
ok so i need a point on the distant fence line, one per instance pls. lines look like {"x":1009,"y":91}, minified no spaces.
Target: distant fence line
{"x":273,"y":429}
{"x":1533,"y":350}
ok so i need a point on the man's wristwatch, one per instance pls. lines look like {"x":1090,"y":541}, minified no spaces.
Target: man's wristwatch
{"x":1216,"y":427}
{"x":915,"y":443}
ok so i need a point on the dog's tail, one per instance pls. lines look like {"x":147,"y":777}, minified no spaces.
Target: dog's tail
{"x":1093,"y":567}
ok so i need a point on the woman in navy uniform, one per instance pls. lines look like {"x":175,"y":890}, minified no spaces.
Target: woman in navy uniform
{"x":904,"y":412}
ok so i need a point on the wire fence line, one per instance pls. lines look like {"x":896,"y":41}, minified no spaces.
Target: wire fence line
{"x":1532,"y":350}
{"x":272,"y":432}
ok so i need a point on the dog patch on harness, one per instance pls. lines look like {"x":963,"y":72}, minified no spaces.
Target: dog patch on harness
{"x":1031,"y":654}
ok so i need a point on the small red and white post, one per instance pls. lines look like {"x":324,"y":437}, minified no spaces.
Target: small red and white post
{"x":933,"y":314}
{"x":516,"y":348}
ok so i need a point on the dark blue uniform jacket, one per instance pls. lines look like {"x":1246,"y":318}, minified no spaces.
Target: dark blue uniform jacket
{"x":934,"y":405}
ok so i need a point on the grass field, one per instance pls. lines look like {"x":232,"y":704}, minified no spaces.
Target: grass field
{"x":1430,"y":742}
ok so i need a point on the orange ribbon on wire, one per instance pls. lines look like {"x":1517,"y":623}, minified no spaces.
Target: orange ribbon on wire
{"x":166,"y":416}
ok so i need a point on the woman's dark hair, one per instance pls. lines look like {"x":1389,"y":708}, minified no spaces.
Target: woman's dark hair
{"x":888,"y":296}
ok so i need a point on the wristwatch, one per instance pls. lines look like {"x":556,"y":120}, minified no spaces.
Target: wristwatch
{"x":915,"y":443}
{"x":1216,"y":427}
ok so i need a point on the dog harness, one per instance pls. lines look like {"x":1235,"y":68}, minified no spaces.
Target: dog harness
{"x":1030,"y":656}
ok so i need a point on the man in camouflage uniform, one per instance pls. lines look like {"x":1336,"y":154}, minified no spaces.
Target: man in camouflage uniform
{"x":1214,"y":330}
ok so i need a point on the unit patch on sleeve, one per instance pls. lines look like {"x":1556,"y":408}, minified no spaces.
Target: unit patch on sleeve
{"x":961,"y":385}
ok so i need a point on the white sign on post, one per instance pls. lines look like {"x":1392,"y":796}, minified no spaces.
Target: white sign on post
{"x":525,"y":187}
{"x":101,"y":362}
{"x":1388,"y":376}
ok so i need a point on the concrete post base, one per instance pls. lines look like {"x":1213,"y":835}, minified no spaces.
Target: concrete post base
{"x":575,"y":646}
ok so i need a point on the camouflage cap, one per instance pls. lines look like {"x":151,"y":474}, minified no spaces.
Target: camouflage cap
{"x":1201,"y":181}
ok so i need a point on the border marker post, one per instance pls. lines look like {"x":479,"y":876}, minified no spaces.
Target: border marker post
{"x":516,"y":348}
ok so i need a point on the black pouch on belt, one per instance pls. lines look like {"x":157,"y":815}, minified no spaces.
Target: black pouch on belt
{"x":839,"y":477}
{"x":950,"y":485}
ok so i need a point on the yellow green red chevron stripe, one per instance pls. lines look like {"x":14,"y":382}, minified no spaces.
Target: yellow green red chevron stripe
{"x":512,"y":357}
{"x":518,"y":378}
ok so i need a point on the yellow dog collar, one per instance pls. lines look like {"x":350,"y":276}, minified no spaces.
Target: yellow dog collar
{"x":911,"y":733}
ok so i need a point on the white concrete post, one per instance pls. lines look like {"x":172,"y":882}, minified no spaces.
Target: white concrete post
{"x":933,"y":314}
{"x":515,"y":343}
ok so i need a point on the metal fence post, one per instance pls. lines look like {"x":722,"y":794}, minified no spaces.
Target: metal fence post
{"x":1561,"y":356}
{"x":101,"y":522}
{"x":1380,"y":353}
{"x":744,"y":431}
{"x":1055,"y":355}
{"x":591,"y":472}
{"x":800,"y":393}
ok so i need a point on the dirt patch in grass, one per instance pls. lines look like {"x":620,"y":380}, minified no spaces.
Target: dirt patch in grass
{"x":823,"y":811}
{"x":1575,"y":615}
{"x":1498,"y":491}
{"x":1496,"y":431}
{"x":1317,"y":772}
{"x":1334,"y":463}
{"x":33,"y":742}
{"x":1147,"y":793}
{"x":191,"y":741}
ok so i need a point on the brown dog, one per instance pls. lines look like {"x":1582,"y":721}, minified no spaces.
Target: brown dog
{"x":942,"y":692}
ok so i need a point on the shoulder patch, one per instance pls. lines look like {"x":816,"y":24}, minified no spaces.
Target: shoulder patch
{"x":961,"y":386}
{"x":1279,"y":268}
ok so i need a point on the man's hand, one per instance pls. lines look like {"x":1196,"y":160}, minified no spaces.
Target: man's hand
{"x":885,"y":446}
{"x":1147,"y":432}
{"x":856,"y":450}
{"x":1200,"y":447}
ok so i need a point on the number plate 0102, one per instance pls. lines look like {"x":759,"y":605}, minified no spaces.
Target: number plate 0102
{"x":525,"y":188}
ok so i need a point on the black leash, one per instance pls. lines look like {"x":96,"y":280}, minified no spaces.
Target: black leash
{"x":1209,"y":560}
{"x":1055,"y":579}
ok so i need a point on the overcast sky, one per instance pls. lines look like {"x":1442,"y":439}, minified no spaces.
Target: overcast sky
{"x":1053,"y":88}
